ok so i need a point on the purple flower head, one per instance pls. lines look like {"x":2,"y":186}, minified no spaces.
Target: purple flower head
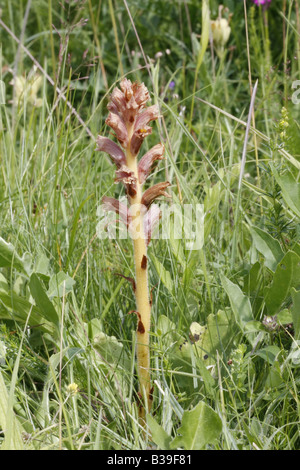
{"x":264,"y":3}
{"x":172,"y":85}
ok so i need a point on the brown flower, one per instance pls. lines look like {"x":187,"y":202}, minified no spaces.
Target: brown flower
{"x":104,"y":144}
{"x":126,"y":176}
{"x":117,"y":124}
{"x":150,"y":221}
{"x":112,"y":204}
{"x":155,"y":191}
{"x":146,"y":162}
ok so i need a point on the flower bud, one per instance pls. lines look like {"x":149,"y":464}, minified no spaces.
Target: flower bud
{"x":220,"y":32}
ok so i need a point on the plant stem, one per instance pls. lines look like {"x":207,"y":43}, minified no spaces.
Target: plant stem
{"x":141,"y":292}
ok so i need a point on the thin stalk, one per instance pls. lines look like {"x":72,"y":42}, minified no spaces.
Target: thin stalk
{"x":114,"y":25}
{"x":252,"y":92}
{"x":285,"y":52}
{"x":141,"y":288}
{"x":203,"y":46}
{"x":243,"y":162}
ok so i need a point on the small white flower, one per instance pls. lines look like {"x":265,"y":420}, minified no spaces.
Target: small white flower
{"x":72,"y":389}
{"x":27,"y":89}
{"x":220,"y":31}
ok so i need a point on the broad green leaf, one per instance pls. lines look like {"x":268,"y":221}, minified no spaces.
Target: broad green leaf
{"x":269,"y":353}
{"x":268,"y":246}
{"x":218,"y":334}
{"x":111,"y":350}
{"x":240,"y":304}
{"x":15,"y":307}
{"x":251,"y":280}
{"x":290,"y":190}
{"x":38,"y":292}
{"x":254,"y":326}
{"x":284,"y":317}
{"x":9,"y":257}
{"x":167,"y":330}
{"x":41,"y":264}
{"x":158,"y":434}
{"x":286,"y":276}
{"x":296,"y":313}
{"x":274,"y":378}
{"x":15,"y":442}
{"x":200,"y":426}
{"x":60,"y":284}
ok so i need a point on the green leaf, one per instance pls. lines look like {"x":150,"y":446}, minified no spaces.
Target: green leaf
{"x":168,"y":331}
{"x":111,"y":350}
{"x":60,"y":284}
{"x":254,"y":326}
{"x":38,"y":292}
{"x":269,"y":353}
{"x":15,"y":442}
{"x":218,"y":335}
{"x":286,"y":276}
{"x":41,"y":264}
{"x":284,"y":317}
{"x":251,"y":280}
{"x":290,"y":190}
{"x":296,"y":313}
{"x":13,"y":306}
{"x":268,"y":246}
{"x":9,"y":257}
{"x":240,"y":304}
{"x":200,"y":426}
{"x":159,"y":435}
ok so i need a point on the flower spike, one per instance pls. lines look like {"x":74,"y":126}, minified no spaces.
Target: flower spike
{"x":129,"y":118}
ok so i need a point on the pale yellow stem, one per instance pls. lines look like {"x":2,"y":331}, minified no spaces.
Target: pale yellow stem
{"x":141,"y":292}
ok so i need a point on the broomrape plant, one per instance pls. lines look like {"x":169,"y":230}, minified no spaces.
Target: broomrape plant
{"x":129,"y":118}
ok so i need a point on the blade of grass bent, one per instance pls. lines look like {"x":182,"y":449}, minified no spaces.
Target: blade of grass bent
{"x":260,"y":134}
{"x":243,"y":162}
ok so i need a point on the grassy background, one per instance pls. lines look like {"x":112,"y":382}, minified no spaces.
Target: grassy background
{"x":52,"y":181}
